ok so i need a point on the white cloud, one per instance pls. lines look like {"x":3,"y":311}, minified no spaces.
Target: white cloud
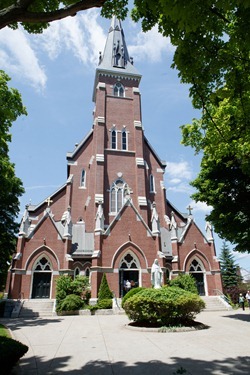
{"x":178,"y":176}
{"x":18,"y":58}
{"x":201,"y":207}
{"x":81,"y":36}
{"x":150,"y":46}
{"x":179,"y":170}
{"x":35,"y":187}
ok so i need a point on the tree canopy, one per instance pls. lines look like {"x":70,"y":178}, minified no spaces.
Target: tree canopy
{"x":11,"y":187}
{"x":35,"y":15}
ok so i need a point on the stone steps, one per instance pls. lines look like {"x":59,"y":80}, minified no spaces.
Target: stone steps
{"x":215,"y":303}
{"x":36,"y":308}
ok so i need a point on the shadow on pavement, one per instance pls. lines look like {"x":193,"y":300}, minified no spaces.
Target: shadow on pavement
{"x":245,"y":317}
{"x":15,"y":324}
{"x":187,"y":366}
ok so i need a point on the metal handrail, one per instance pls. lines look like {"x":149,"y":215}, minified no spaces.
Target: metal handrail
{"x":222,"y":295}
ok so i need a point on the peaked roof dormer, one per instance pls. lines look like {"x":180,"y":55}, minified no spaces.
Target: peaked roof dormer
{"x":115,"y":58}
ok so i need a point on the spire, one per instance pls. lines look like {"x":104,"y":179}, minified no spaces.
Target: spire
{"x":115,"y":57}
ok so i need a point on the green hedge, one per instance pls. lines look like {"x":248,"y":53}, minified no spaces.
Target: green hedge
{"x":66,"y":286}
{"x":10,"y":352}
{"x":166,"y":306}
{"x":186,"y":282}
{"x":131,"y":293}
{"x":71,"y":303}
{"x":105,"y":304}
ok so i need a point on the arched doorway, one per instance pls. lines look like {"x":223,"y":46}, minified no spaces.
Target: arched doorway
{"x":128,"y":271}
{"x":41,"y":279}
{"x":197,"y":271}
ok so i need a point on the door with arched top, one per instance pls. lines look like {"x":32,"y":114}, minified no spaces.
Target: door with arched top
{"x":197,"y":271}
{"x":41,"y":279}
{"x":128,"y":272}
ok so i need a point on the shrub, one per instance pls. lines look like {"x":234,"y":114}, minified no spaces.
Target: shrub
{"x":105,"y":304}
{"x":104,"y":291}
{"x":186,"y":282}
{"x":131,"y":293}
{"x":10,"y":352}
{"x":71,"y":303}
{"x":163,"y":307}
{"x":66,"y":286}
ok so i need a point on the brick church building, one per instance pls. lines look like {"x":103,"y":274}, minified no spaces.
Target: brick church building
{"x":111,"y":216}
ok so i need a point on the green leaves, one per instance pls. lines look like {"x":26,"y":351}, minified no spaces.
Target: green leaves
{"x":229,"y":269}
{"x":11,"y":186}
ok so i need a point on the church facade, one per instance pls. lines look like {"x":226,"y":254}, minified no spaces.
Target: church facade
{"x":112,"y":215}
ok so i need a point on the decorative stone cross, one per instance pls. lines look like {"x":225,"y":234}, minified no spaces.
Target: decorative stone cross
{"x":189,"y":208}
{"x":48,"y":201}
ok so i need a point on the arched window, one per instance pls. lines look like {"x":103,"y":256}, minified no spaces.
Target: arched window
{"x":87,"y":272}
{"x":117,"y":195}
{"x":151,"y":184}
{"x":129,"y":261}
{"x":43,"y":264}
{"x":124,"y":139}
{"x":195,"y":266}
{"x":83,"y":178}
{"x":119,"y":90}
{"x":76,"y":272}
{"x":113,"y":139}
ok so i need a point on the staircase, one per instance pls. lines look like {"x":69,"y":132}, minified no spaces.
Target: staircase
{"x":37,"y":308}
{"x":215,"y":303}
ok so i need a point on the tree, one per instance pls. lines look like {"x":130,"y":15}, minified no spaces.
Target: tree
{"x":104,"y":290}
{"x":11,"y":187}
{"x":229,"y":269}
{"x":212,"y":40}
{"x":35,"y":15}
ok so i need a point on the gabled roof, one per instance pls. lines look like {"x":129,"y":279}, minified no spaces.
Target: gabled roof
{"x":161,"y":162}
{"x":70,"y":155}
{"x":128,"y":203}
{"x":46,"y":215}
{"x":32,"y":208}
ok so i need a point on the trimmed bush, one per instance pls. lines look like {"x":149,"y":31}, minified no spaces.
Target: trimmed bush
{"x":71,"y":303}
{"x":163,"y":307}
{"x":131,"y":293}
{"x":186,"y":282}
{"x":10,"y":352}
{"x":104,"y":291}
{"x":66,"y":286}
{"x":105,"y":304}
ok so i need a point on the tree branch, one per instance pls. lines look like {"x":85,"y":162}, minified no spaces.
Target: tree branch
{"x":19,"y":13}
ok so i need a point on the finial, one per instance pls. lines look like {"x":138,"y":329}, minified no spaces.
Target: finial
{"x":48,"y":201}
{"x":189,"y":208}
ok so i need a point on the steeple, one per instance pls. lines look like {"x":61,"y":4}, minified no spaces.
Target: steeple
{"x":115,"y":58}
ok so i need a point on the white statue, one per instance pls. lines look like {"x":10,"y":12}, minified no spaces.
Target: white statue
{"x":156,"y":275}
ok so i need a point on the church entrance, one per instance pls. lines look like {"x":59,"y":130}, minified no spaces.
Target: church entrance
{"x":128,"y":274}
{"x":196,"y":270}
{"x":41,"y":279}
{"x":199,"y":278}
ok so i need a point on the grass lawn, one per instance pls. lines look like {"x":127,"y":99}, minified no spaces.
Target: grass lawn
{"x":4,"y":331}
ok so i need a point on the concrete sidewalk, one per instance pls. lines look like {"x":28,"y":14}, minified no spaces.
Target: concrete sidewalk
{"x":102,"y":345}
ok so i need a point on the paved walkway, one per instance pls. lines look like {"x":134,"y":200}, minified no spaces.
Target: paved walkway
{"x":103,"y":345}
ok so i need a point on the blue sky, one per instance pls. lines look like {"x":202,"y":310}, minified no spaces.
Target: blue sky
{"x":54,"y":73}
